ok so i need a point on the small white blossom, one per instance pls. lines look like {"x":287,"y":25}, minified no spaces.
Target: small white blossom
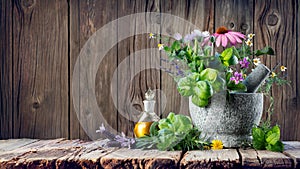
{"x":256,"y":61}
{"x":283,"y":68}
{"x":160,"y":46}
{"x":151,"y":35}
{"x":250,"y":35}
{"x":249,"y":42}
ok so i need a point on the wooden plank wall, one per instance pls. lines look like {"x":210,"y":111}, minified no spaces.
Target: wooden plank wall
{"x":41,"y":40}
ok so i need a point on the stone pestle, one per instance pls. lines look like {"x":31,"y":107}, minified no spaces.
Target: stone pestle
{"x":256,"y":78}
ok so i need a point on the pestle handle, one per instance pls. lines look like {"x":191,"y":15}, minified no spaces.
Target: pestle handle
{"x":256,"y":78}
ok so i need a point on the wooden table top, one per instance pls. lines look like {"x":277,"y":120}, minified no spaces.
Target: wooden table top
{"x":62,"y":153}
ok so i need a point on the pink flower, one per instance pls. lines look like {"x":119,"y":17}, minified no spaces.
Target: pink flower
{"x":237,"y":77}
{"x":223,"y":35}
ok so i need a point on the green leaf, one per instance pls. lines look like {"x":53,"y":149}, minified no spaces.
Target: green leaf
{"x":258,"y":138}
{"x":227,"y":54}
{"x":185,"y":86}
{"x":273,"y":138}
{"x":176,"y":45}
{"x":240,"y":87}
{"x":219,"y":84}
{"x":278,"y":147}
{"x":233,"y":60}
{"x":273,"y":135}
{"x":267,"y":50}
{"x":154,"y":129}
{"x":199,"y":102}
{"x":203,"y":90}
{"x":167,"y":49}
{"x":209,"y":74}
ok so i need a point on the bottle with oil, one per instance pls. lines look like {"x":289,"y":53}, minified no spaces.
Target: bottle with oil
{"x":148,"y":116}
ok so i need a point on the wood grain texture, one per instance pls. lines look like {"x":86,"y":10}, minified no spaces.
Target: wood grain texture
{"x":269,"y":159}
{"x":86,"y":18}
{"x":40,"y":72}
{"x":275,"y":25}
{"x":227,"y":158}
{"x":136,"y":64}
{"x":41,"y":40}
{"x":201,"y":15}
{"x":249,"y":158}
{"x":235,"y":15}
{"x":62,"y":153}
{"x":135,"y":158}
{"x":6,"y":73}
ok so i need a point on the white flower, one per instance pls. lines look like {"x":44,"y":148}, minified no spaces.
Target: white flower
{"x":283,"y":68}
{"x":230,"y":70}
{"x":256,"y":61}
{"x":249,"y":42}
{"x":151,"y":35}
{"x":205,"y":34}
{"x":250,"y":35}
{"x":160,"y":46}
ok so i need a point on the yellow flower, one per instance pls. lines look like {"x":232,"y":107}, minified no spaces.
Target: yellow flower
{"x":249,"y":42}
{"x":217,"y":145}
{"x":256,"y":61}
{"x":283,"y":68}
{"x":273,"y":74}
{"x":251,"y":35}
{"x":151,"y":35}
{"x":160,"y":46}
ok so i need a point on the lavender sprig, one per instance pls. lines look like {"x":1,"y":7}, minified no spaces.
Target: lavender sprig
{"x":116,"y":140}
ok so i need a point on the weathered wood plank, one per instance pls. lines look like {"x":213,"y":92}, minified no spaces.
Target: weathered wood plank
{"x":291,"y":145}
{"x":269,"y":159}
{"x":76,"y":130}
{"x":59,"y":153}
{"x":88,"y":156}
{"x":93,"y":15}
{"x":12,"y":144}
{"x":235,"y":15}
{"x":249,"y":158}
{"x":6,"y":116}
{"x":275,"y":26}
{"x":226,"y":158}
{"x":135,"y":158}
{"x":292,"y":149}
{"x":197,"y":12}
{"x":40,"y":81}
{"x":135,"y":61}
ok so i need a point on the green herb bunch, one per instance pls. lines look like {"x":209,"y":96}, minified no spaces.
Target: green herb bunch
{"x":176,"y":132}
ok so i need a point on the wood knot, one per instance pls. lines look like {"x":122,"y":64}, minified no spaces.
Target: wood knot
{"x":244,"y":26}
{"x":272,"y":19}
{"x":28,"y":3}
{"x":36,"y":104}
{"x":231,"y":25}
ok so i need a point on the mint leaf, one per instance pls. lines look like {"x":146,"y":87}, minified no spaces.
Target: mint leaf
{"x":267,"y":50}
{"x":258,"y":138}
{"x":273,"y":138}
{"x":203,"y":90}
{"x":199,"y":102}
{"x":278,"y":147}
{"x":209,"y":74}
{"x":226,"y":54}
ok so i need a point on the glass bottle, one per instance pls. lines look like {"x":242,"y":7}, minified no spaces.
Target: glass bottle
{"x":148,"y":116}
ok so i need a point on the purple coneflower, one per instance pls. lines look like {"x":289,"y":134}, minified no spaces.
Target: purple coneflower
{"x":237,"y":77}
{"x":223,"y":35}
